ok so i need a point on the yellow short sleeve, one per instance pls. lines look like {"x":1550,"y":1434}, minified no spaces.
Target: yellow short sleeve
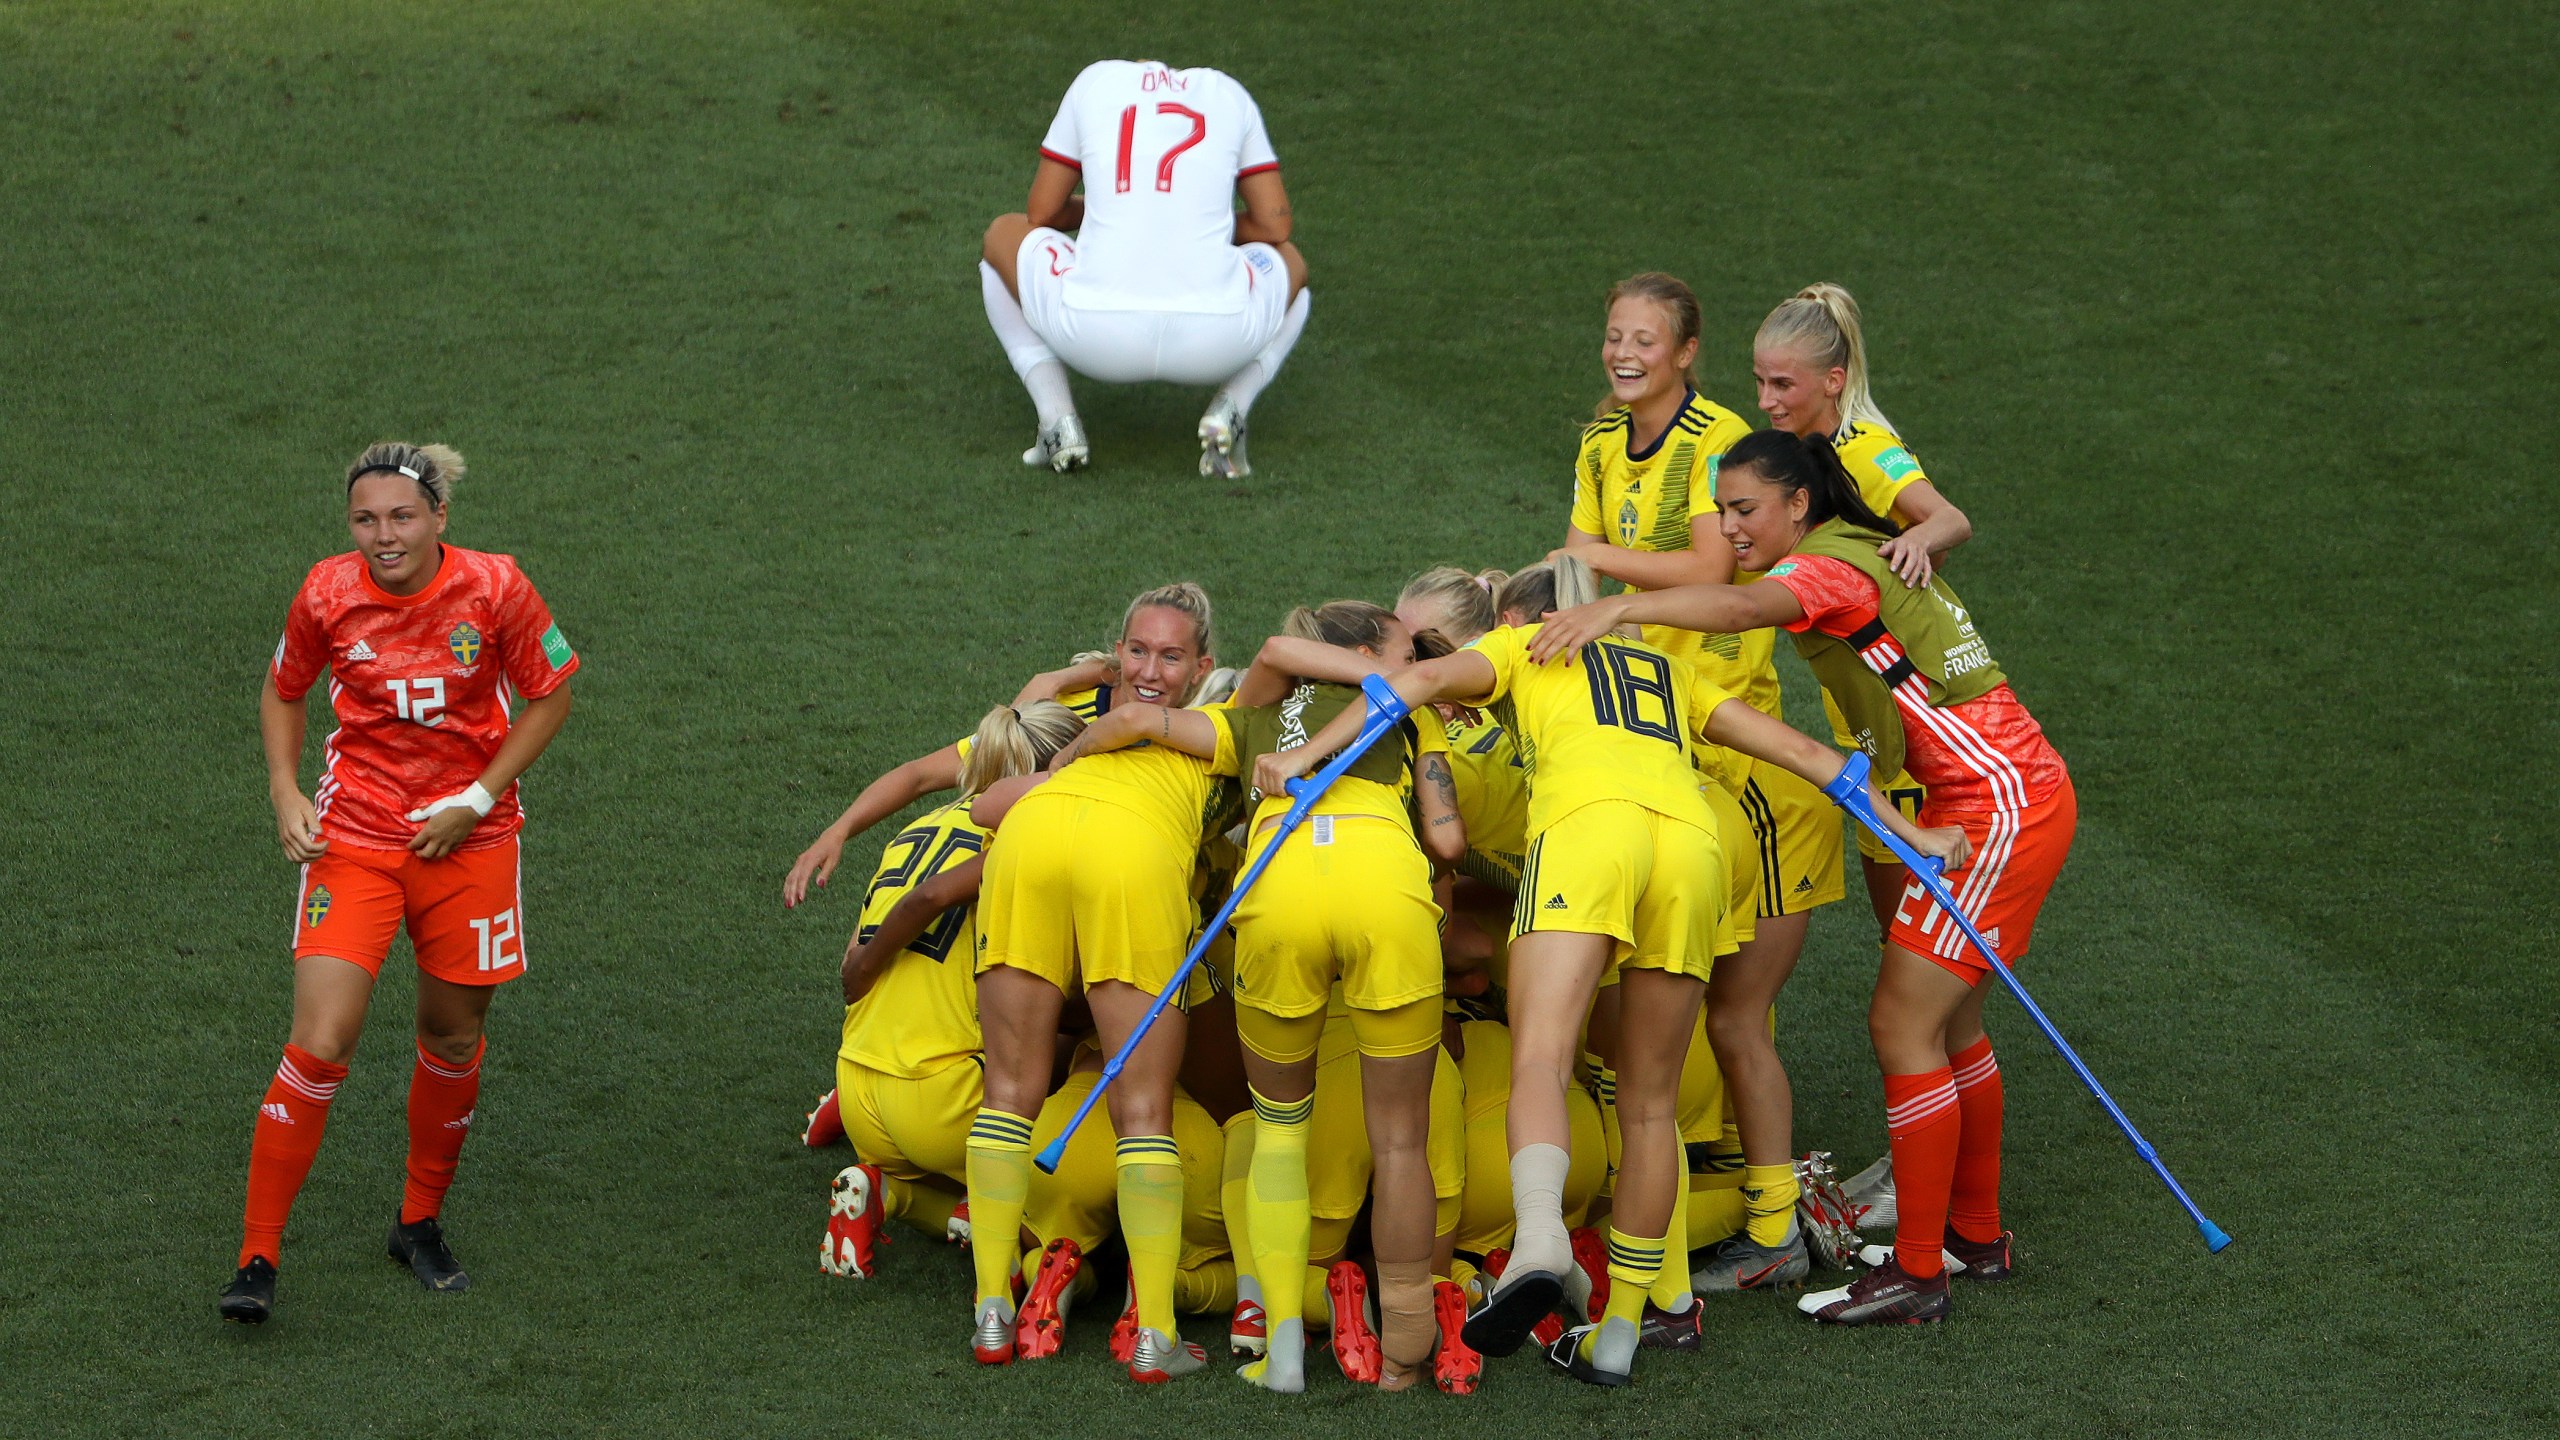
{"x":1222,"y":717}
{"x":1882,"y":466}
{"x":1508,"y":650}
{"x":964,"y":745}
{"x":1429,"y":736}
{"x":1586,"y":503}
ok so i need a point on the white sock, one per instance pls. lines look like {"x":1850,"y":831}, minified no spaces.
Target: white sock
{"x":1033,"y":361}
{"x":1245,"y":384}
{"x":1537,"y":1197}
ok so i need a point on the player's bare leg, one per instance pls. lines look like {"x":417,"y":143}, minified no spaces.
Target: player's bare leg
{"x":1222,"y":428}
{"x":1061,"y":444}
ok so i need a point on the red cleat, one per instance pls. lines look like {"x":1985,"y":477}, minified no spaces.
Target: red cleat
{"x":955,"y":1231}
{"x":1355,"y":1341}
{"x":1249,"y":1330}
{"x":823,"y":1126}
{"x":1455,"y":1369}
{"x":1124,"y":1331}
{"x":1040,"y":1326}
{"x":1591,"y":1253}
{"x":853,"y":1224}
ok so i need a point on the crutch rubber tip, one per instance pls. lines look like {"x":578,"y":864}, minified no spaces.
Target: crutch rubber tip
{"x":1048,"y":1160}
{"x":2215,"y":1240}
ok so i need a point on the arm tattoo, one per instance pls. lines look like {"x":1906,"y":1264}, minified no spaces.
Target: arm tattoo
{"x":1435,"y":773}
{"x":1168,"y":722}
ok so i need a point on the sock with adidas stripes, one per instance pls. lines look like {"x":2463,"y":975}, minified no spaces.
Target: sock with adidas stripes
{"x":1925,"y":1119}
{"x":291,"y":1120}
{"x":442,"y":1098}
{"x":1635,"y":1262}
{"x":999,"y":1165}
{"x":1151,"y":1223}
{"x":1769,"y":1201}
{"x":1973,"y":1203}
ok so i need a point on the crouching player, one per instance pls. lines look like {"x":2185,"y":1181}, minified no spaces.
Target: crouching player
{"x":415,"y":823}
{"x":908,"y":1078}
{"x":1162,"y":280}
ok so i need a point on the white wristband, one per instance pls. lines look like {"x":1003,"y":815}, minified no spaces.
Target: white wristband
{"x":479,"y":799}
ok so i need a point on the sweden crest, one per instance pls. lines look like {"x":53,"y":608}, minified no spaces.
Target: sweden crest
{"x":315,"y":906}
{"x":464,"y":642}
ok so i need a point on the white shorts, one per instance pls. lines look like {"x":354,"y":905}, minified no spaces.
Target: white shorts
{"x":1125,"y":346}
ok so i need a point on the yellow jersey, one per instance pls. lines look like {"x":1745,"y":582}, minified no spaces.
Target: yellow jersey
{"x":921,"y":1013}
{"x":1493,"y":797}
{"x":1647,"y":501}
{"x":1182,"y":795}
{"x":1615,"y":720}
{"x":1352,"y":793}
{"x":1882,"y":465}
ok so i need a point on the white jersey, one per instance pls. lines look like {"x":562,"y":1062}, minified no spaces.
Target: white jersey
{"x":1161,"y":151}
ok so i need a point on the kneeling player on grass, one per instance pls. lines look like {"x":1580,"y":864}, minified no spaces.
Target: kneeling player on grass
{"x":909,"y":1073}
{"x":1162,"y":279}
{"x":415,"y":825}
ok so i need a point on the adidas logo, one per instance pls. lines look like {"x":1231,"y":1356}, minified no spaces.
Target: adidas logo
{"x":274,"y":1110}
{"x":1556,"y":902}
{"x":462,"y":1124}
{"x":1804,"y":885}
{"x":359,"y":651}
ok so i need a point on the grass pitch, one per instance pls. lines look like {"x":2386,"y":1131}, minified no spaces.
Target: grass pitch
{"x":2230,"y":330}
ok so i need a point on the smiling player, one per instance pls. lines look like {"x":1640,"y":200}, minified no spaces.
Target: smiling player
{"x":1162,"y":280}
{"x":414,"y":825}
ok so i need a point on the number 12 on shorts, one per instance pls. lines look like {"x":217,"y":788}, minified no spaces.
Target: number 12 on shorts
{"x":499,"y":948}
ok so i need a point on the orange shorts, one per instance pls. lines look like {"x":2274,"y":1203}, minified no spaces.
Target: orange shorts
{"x":464,"y":913}
{"x":2017,"y":855}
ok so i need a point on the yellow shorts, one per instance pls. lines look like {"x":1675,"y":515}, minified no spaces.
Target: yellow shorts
{"x":1082,"y":1201}
{"x":1741,"y":847}
{"x":1799,"y":847}
{"x":1485,"y":1217}
{"x":1080,"y":889}
{"x":1338,"y":1156}
{"x":911,"y":1128}
{"x":1348,"y":898}
{"x":1615,"y":868}
{"x":1906,"y":795}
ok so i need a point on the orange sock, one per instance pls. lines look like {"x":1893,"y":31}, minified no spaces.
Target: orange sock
{"x":441,"y":1099}
{"x":1973,"y":1208}
{"x":290,"y":1122}
{"x":1926,"y":1122}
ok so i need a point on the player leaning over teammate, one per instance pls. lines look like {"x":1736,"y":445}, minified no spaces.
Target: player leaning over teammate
{"x":1163,"y":279}
{"x":414,"y":823}
{"x":908,"y":1073}
{"x":1913,"y":675}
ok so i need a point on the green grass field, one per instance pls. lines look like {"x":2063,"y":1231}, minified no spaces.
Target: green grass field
{"x":2231,"y":330}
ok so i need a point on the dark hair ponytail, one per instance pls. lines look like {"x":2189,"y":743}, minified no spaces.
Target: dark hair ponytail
{"x":1795,"y":464}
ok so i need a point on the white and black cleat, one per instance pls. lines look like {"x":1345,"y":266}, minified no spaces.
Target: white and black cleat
{"x":1222,"y":442}
{"x":1061,"y":446}
{"x":1870,"y":1194}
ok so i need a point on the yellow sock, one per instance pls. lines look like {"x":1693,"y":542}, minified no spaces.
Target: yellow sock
{"x":1276,"y":1205}
{"x":1234,"y":1202}
{"x":1315,"y":1301}
{"x":926,"y":1207}
{"x":1769,"y":1199}
{"x":1209,"y":1289}
{"x":1671,"y":1282}
{"x":1463,"y":1271}
{"x":1634,"y":1264}
{"x":1604,"y":1088}
{"x":999,"y":1181}
{"x":1151,"y":1223}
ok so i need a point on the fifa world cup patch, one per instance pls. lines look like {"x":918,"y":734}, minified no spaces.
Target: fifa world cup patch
{"x":315,"y":906}
{"x":1896,"y":462}
{"x":464,"y":642}
{"x":555,"y":647}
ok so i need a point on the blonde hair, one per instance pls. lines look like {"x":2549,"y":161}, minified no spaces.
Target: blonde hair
{"x":1674,"y":296}
{"x":1351,"y":624}
{"x":1013,"y":741}
{"x":1560,"y":584}
{"x":1820,"y":322}
{"x":1217,"y":685}
{"x":436,"y":468}
{"x":1465,"y":601}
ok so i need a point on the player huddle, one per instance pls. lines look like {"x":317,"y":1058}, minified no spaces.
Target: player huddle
{"x":1486,"y":1054}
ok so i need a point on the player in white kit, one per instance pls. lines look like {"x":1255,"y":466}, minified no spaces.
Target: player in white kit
{"x":1162,"y":279}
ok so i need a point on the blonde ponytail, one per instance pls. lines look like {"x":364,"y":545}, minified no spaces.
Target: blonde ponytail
{"x":1012,"y":742}
{"x":1560,"y":584}
{"x":1464,"y":601}
{"x":1821,"y":323}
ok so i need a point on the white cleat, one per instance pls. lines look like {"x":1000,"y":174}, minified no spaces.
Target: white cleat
{"x":853,"y":1225}
{"x":1871,"y":1195}
{"x":1160,"y":1357}
{"x":1061,"y":446}
{"x":1222,"y":442}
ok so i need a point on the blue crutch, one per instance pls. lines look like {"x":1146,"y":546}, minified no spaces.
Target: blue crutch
{"x":1849,"y":790}
{"x":1386,"y":710}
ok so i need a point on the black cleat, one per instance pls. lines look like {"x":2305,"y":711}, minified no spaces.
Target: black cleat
{"x":251,"y":1295}
{"x":1662,"y":1330}
{"x":1522,"y":1299}
{"x":421,"y":1247}
{"x":1977,"y":1259}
